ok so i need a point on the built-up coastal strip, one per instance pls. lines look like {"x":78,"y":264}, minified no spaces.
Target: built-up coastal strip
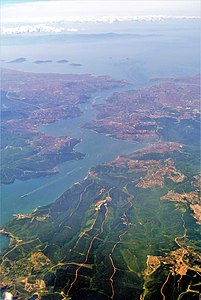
{"x":140,"y":115}
{"x":30,"y":100}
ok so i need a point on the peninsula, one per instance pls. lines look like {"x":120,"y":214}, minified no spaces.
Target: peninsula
{"x":29,"y":100}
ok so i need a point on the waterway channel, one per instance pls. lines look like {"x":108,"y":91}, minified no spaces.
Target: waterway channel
{"x":24,"y":196}
{"x":135,"y":58}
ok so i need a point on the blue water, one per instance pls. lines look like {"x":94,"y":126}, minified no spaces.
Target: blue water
{"x":138,"y":59}
{"x":151,"y":50}
{"x":41,"y":191}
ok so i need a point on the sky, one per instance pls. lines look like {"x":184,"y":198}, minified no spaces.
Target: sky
{"x":26,"y":10}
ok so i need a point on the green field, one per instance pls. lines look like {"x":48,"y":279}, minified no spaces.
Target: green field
{"x":102,"y":252}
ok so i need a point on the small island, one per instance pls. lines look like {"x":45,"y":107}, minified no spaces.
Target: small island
{"x":62,"y":61}
{"x":17,"y":60}
{"x":76,"y":65}
{"x":38,"y":62}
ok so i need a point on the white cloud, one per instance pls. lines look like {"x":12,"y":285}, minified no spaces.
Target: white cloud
{"x":55,"y":25}
{"x":42,"y":28}
{"x":54,"y":10}
{"x":72,"y":30}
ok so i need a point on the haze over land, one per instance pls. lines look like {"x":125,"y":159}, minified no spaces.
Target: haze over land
{"x":100,"y":168}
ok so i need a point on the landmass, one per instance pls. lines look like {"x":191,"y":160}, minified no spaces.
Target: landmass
{"x":131,"y":228}
{"x":42,"y":61}
{"x":29,"y":100}
{"x":119,"y":234}
{"x":146,"y":114}
{"x":76,"y":65}
{"x":62,"y":61}
{"x":17,"y":60}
